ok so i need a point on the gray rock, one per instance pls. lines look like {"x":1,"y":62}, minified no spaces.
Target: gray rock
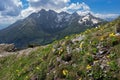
{"x":7,"y":48}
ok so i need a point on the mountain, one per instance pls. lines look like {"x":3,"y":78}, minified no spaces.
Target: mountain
{"x":92,"y":55}
{"x":46,"y":26}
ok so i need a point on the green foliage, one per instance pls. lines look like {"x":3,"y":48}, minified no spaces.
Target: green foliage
{"x":67,"y":59}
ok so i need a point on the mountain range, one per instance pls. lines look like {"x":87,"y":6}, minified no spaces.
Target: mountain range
{"x":91,"y":55}
{"x":45,"y":27}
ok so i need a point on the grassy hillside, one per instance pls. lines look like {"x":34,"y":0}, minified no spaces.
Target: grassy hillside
{"x":91,"y":55}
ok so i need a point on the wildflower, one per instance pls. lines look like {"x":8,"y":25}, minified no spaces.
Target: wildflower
{"x":108,"y":56}
{"x":53,"y":49}
{"x":81,"y":44}
{"x":61,"y":50}
{"x":37,"y":68}
{"x":108,"y":62}
{"x":66,"y":37}
{"x":18,"y":74}
{"x":26,"y":77}
{"x":88,"y":54}
{"x":96,"y":61}
{"x":17,"y":70}
{"x":111,"y":35}
{"x":65,"y":72}
{"x":80,"y":78}
{"x":88,"y":67}
{"x":101,"y":38}
{"x":101,"y":29}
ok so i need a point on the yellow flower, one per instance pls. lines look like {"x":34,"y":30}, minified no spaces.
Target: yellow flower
{"x":61,"y":50}
{"x":95,"y":61}
{"x":101,"y":29}
{"x":111,"y":35}
{"x":66,"y":37}
{"x":88,"y":54}
{"x":108,"y":62}
{"x":53,"y":49}
{"x":18,"y":74}
{"x":17,"y":70}
{"x":65,"y":72}
{"x":26,"y":77}
{"x":81,"y":44}
{"x":80,"y":78}
{"x":101,"y":38}
{"x":108,"y":56}
{"x":88,"y":67}
{"x":37,"y":68}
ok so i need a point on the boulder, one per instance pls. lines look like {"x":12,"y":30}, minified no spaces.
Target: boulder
{"x":7,"y":47}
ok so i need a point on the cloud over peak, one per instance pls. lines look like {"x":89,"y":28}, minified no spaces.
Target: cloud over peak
{"x":10,"y":7}
{"x":13,"y":10}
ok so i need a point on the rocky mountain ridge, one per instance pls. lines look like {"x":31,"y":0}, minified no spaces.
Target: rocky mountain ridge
{"x":46,"y":26}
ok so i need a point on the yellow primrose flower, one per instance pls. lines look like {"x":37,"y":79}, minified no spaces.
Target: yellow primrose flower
{"x":18,"y":74}
{"x":65,"y":72}
{"x":88,"y":54}
{"x":111,"y":35}
{"x":81,"y":44}
{"x":108,"y":62}
{"x":66,"y":37}
{"x":61,"y":50}
{"x":37,"y":68}
{"x":53,"y":49}
{"x":95,"y":61}
{"x":101,"y":38}
{"x":80,"y":78}
{"x":101,"y":29}
{"x":108,"y":56}
{"x":17,"y":70}
{"x":26,"y":77}
{"x":88,"y":67}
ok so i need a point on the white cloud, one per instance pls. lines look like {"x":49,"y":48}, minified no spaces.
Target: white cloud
{"x":105,"y":16}
{"x":10,"y":7}
{"x":12,"y":10}
{"x":26,"y":12}
{"x":33,"y":0}
{"x":17,"y":3}
{"x":77,"y":6}
{"x":7,"y":20}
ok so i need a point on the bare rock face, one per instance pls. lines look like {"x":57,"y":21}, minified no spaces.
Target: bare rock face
{"x":7,"y":48}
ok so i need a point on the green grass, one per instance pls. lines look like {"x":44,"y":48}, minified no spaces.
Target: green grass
{"x":48,"y":62}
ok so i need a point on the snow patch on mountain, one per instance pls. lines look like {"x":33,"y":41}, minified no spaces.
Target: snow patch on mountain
{"x":95,"y":21}
{"x":61,"y":17}
{"x":89,"y":18}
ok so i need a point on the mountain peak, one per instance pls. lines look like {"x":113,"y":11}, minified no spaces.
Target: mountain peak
{"x":49,"y":24}
{"x":75,"y":13}
{"x":42,"y":10}
{"x":51,"y":11}
{"x":63,"y":12}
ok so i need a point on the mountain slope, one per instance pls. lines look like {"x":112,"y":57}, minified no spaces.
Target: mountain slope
{"x":93,"y":54}
{"x":45,"y":27}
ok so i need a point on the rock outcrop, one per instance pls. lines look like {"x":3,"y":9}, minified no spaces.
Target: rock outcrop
{"x":7,"y":48}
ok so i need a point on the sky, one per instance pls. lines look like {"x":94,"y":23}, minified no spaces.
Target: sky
{"x":13,"y":10}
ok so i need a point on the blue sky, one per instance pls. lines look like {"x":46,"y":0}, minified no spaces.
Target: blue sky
{"x":102,"y":6}
{"x":99,"y":6}
{"x":13,"y":10}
